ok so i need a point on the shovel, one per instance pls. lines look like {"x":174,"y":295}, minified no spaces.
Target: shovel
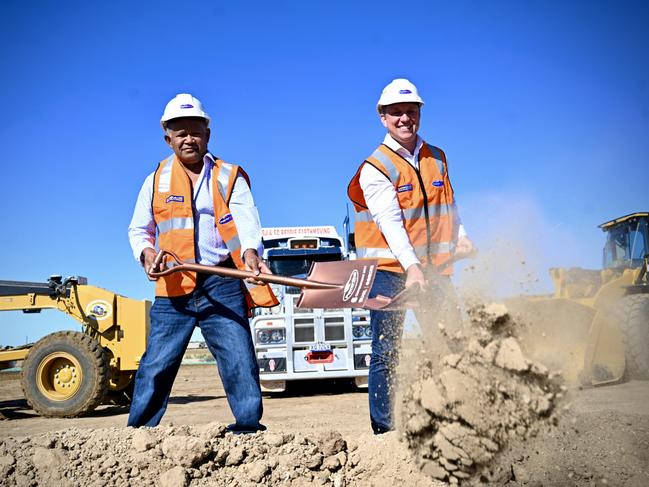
{"x":341,"y":284}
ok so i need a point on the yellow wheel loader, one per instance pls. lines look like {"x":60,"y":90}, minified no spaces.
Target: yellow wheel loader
{"x":69,"y":373}
{"x":595,"y":326}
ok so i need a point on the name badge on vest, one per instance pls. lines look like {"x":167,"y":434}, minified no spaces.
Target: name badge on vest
{"x":227,"y":218}
{"x":438,"y":184}
{"x":404,"y":188}
{"x":175,"y":199}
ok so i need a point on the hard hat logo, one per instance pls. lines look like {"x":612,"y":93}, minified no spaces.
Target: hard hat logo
{"x":405,"y":92}
{"x":181,"y":106}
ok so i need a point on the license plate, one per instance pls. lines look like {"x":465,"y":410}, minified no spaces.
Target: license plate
{"x":320,"y":347}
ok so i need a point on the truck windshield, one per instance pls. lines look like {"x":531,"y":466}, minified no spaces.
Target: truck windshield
{"x":296,"y":265}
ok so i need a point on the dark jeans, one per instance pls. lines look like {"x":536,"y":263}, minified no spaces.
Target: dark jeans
{"x":217,"y":306}
{"x":387,"y":327}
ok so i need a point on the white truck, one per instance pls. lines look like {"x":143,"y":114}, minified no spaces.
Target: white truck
{"x":294,"y":344}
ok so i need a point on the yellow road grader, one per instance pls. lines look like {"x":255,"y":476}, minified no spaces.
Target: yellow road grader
{"x":69,"y":373}
{"x":595,"y":326}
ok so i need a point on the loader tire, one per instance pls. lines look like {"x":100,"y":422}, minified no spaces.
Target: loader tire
{"x":65,"y":375}
{"x":633,"y":315}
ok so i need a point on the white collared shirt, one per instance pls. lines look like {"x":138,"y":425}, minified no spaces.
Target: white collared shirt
{"x":210,"y":248}
{"x":382,"y":202}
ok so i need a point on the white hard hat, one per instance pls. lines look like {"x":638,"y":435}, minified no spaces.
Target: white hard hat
{"x":181,"y":106}
{"x":399,"y":90}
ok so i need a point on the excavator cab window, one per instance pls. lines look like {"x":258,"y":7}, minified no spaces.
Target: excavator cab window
{"x":626,"y":245}
{"x":638,"y":242}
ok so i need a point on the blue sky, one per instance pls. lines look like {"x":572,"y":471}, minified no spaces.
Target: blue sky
{"x":541,"y":107}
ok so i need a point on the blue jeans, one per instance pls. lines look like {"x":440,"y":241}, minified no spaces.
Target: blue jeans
{"x":218,"y":307}
{"x":387,"y":327}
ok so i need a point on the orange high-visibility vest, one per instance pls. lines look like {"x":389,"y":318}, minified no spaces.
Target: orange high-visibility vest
{"x":174,"y":217}
{"x":427,"y":203}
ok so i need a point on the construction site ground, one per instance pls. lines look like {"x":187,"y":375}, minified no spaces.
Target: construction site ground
{"x":602,"y":439}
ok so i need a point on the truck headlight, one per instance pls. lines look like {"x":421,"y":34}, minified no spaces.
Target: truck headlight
{"x":271,"y":337}
{"x":277,"y":336}
{"x":361,"y":331}
{"x":263,"y":336}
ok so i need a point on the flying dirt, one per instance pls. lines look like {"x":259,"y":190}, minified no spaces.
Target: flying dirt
{"x":462,"y":410}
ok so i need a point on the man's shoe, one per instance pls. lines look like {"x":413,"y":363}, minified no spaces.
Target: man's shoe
{"x":379,"y":430}
{"x":238,"y":429}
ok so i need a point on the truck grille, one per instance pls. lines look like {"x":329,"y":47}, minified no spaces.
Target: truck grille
{"x":334,"y":328}
{"x":304,"y":329}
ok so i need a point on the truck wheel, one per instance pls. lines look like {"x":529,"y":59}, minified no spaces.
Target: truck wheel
{"x":65,"y":375}
{"x":633,"y":315}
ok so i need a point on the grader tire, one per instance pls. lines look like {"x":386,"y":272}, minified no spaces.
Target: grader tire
{"x":65,"y":375}
{"x":633,"y":315}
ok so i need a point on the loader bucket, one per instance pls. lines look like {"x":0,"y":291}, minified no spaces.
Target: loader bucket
{"x":604,"y":359}
{"x":585,"y":345}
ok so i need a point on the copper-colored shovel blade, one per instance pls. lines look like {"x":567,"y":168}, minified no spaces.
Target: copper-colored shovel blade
{"x":354,"y":278}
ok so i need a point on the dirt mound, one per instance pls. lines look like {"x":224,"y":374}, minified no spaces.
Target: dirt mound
{"x":200,"y":455}
{"x":461,"y":411}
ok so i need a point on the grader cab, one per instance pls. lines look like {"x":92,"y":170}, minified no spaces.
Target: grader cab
{"x":596,"y":324}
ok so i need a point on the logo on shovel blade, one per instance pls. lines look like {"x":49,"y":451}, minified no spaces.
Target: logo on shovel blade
{"x":350,"y":285}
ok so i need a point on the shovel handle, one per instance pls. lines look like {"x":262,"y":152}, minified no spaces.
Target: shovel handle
{"x":182,"y":266}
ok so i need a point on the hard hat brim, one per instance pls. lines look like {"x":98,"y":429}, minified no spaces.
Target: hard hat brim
{"x":164,"y":121}
{"x":379,"y":106}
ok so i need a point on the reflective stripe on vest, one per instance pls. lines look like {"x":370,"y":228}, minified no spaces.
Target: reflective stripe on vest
{"x":427,"y":207}
{"x":387,"y":164}
{"x":383,"y":253}
{"x":176,"y":224}
{"x":223,"y":180}
{"x":409,"y":213}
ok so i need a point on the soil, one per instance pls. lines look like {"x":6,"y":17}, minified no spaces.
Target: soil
{"x":497,"y":418}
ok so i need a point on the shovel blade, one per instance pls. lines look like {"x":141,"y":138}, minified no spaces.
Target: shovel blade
{"x":353,"y":277}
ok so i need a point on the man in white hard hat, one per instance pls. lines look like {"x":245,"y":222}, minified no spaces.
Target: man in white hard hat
{"x":406,"y":217}
{"x":201,"y":208}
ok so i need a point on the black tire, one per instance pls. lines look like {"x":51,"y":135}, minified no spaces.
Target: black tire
{"x":633,"y":316}
{"x":65,"y":375}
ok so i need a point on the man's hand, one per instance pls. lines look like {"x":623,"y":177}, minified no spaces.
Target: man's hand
{"x":464,"y":246}
{"x":255,"y":264}
{"x":147,"y":258}
{"x":415,"y":277}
